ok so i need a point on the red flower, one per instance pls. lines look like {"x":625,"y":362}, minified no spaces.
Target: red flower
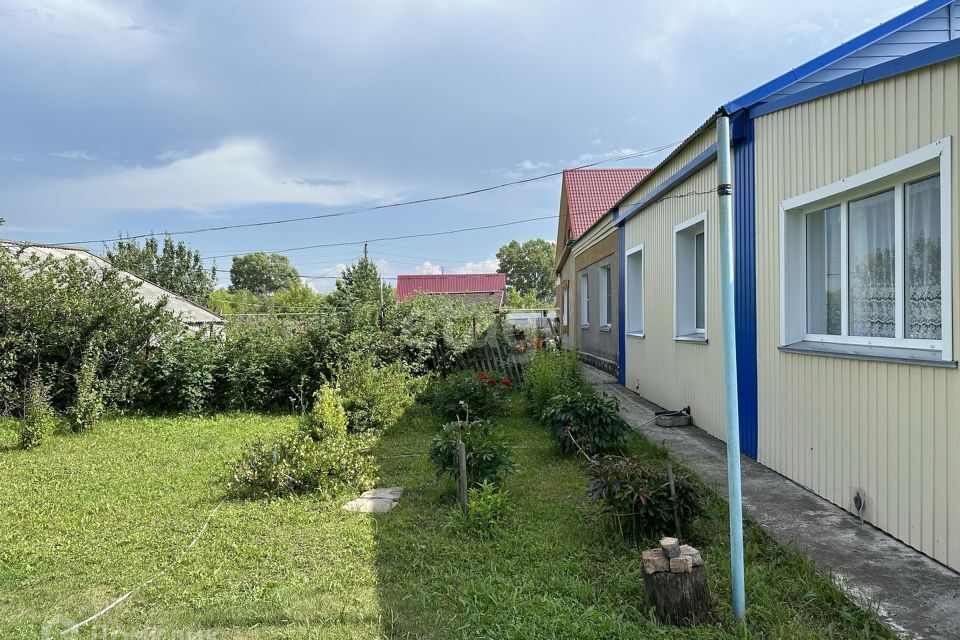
{"x":491,"y":381}
{"x":507,"y":381}
{"x":480,"y":376}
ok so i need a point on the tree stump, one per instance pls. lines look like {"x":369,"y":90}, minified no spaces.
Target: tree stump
{"x":676,"y":584}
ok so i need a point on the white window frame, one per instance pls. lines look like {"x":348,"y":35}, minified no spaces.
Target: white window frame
{"x":606,"y":290}
{"x":684,"y":302}
{"x":564,"y":304}
{"x":584,"y":300}
{"x":923,"y":162}
{"x":632,"y":321}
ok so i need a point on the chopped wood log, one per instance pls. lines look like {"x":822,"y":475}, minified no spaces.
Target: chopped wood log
{"x":677,"y":587}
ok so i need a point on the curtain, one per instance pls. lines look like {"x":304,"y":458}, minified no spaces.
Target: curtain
{"x":823,"y":272}
{"x":873,"y":266}
{"x":922,"y":259}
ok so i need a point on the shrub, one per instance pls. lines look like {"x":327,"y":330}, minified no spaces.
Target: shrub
{"x":480,"y":395}
{"x":637,"y":497}
{"x":296,"y":463}
{"x":489,"y":509}
{"x":38,"y":418}
{"x":375,"y":398}
{"x":551,"y":372}
{"x":180,"y":374}
{"x":327,"y":419}
{"x":488,"y":458}
{"x":88,"y":402}
{"x":51,"y":310}
{"x":591,"y":419}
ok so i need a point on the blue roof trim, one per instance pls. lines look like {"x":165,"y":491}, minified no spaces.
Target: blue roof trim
{"x":682,"y":174}
{"x":778,"y":84}
{"x":917,"y":60}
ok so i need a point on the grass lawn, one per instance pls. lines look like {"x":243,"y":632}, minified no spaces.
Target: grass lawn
{"x":89,"y":517}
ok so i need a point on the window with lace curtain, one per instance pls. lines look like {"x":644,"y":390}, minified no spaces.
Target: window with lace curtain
{"x":866,"y":262}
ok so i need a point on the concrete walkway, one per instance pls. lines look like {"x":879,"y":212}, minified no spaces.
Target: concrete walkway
{"x":916,"y":596}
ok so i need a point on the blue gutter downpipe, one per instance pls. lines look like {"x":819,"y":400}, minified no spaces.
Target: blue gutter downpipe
{"x":731,"y":396}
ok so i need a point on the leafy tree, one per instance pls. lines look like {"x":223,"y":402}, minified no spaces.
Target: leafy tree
{"x":357,"y":297}
{"x":296,"y":297}
{"x":529,"y":267}
{"x":227,"y":302}
{"x":175,"y":266}
{"x":262,"y":273}
{"x":525,"y":301}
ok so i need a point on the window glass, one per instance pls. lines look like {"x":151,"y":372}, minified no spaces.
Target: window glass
{"x":607,"y":299}
{"x":700,"y":274}
{"x":635,"y":292}
{"x":823,"y":272}
{"x":872,"y":257}
{"x":584,"y":300}
{"x":922,"y":259}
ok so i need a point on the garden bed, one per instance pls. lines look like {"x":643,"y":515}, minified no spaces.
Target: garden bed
{"x":100,"y":513}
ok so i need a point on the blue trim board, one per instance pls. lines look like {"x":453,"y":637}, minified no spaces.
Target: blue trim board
{"x":924,"y":58}
{"x":661,"y":189}
{"x":621,"y":312}
{"x":750,"y":99}
{"x":745,"y":287}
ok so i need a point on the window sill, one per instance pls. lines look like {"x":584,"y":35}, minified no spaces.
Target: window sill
{"x":895,"y":355}
{"x":606,"y":327}
{"x":636,"y":334}
{"x":696,"y":338}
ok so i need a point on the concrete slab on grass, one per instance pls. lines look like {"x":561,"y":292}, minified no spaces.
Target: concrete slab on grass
{"x":379,"y":500}
{"x":917,"y":596}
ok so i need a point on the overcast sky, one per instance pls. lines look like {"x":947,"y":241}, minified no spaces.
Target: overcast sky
{"x":137,"y":116}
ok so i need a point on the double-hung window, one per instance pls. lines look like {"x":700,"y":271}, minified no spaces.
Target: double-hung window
{"x":606,"y":298}
{"x":584,"y":301}
{"x":634,"y":291}
{"x":690,"y":280}
{"x":865,"y":265}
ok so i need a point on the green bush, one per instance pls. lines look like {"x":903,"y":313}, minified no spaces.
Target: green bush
{"x":637,"y":497}
{"x":551,"y":372}
{"x":375,"y":398}
{"x":296,"y":463}
{"x":38,"y":419}
{"x":591,"y":419}
{"x":180,"y":375}
{"x":88,"y":403}
{"x":489,"y":510}
{"x":51,"y":311}
{"x":327,"y":419}
{"x":488,"y":457}
{"x":467,"y":394}
{"x":268,"y":361}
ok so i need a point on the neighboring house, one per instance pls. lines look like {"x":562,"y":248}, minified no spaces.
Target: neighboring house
{"x":194,"y":316}
{"x":588,"y":264}
{"x":845,"y":228}
{"x":472,"y":288}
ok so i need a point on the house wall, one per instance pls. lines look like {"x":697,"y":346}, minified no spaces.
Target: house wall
{"x":831,"y":424}
{"x":676,"y":374}
{"x":598,"y":345}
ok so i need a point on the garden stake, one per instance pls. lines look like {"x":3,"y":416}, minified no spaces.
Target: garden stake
{"x":462,"y":486}
{"x":673,"y":493}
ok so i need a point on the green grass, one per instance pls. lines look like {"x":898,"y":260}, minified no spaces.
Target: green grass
{"x":92,"y":516}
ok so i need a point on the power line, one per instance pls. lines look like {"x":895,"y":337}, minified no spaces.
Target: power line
{"x":392,"y":205}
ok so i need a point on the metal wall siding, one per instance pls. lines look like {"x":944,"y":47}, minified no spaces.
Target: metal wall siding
{"x":745,"y":283}
{"x":670,"y":373}
{"x":835,"y":425}
{"x":621,"y":311}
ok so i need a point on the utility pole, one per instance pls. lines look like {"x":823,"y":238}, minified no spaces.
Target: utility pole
{"x":364,"y":250}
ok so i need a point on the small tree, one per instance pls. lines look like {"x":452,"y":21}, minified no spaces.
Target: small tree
{"x":37,"y":422}
{"x":88,"y":403}
{"x":262,"y":273}
{"x":176,"y":266}
{"x":529,"y":267}
{"x":357,"y":297}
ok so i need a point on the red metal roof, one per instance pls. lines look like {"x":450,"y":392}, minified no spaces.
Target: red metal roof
{"x":591,"y":193}
{"x":450,"y":283}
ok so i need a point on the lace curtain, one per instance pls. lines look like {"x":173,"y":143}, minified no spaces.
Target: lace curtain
{"x":922,"y":259}
{"x":873,"y":266}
